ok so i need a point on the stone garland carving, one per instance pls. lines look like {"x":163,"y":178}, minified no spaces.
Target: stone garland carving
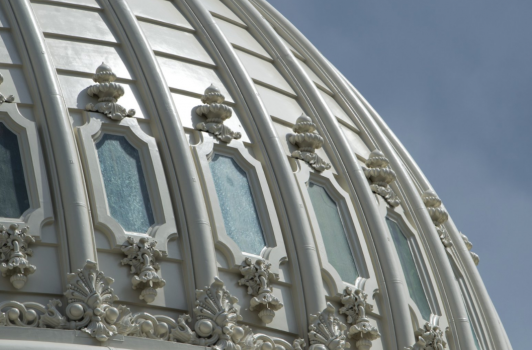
{"x":469,"y":245}
{"x":381,"y":175}
{"x":355,"y":308}
{"x":216,"y":113}
{"x":430,"y":337}
{"x":326,"y":331}
{"x":141,"y":256}
{"x":3,"y":99}
{"x":258,"y":278}
{"x":308,"y":141}
{"x":14,"y":248}
{"x":108,"y":93}
{"x":438,"y":215}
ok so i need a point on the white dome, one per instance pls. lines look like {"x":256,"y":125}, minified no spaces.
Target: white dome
{"x":160,"y":159}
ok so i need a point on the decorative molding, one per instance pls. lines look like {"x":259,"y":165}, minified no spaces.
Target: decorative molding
{"x":430,"y":337}
{"x":355,"y":308}
{"x":141,"y":256}
{"x":438,"y":215}
{"x":308,"y":141}
{"x":216,"y":113}
{"x":14,"y":248}
{"x":8,"y":99}
{"x":258,"y":278}
{"x":381,"y":175}
{"x":108,"y":93}
{"x":469,"y":246}
{"x":326,"y":331}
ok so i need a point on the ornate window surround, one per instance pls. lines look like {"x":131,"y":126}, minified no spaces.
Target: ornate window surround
{"x":423,"y":272}
{"x":203,"y":152}
{"x":352,"y":228}
{"x":40,"y":211}
{"x":88,"y":134}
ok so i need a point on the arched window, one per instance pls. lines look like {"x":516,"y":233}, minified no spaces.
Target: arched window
{"x":241,"y":221}
{"x":14,"y":199}
{"x":125,"y":185}
{"x":415,"y":287}
{"x":332,"y":230}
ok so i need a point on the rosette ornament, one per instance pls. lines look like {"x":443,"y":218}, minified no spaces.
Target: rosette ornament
{"x":258,"y":278}
{"x":3,"y":99}
{"x":142,"y":257}
{"x":438,"y":215}
{"x":307,"y":140}
{"x":355,"y":308}
{"x":14,"y":247}
{"x":381,"y":175}
{"x":430,"y":337}
{"x":108,"y":93}
{"x":216,"y":113}
{"x":326,"y":331}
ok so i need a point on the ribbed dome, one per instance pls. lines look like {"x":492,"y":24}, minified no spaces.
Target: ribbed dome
{"x":195,"y":173}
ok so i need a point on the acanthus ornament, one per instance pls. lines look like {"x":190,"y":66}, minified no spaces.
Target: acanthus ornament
{"x":469,"y":245}
{"x":326,"y":331}
{"x":355,"y":308}
{"x":307,"y":140}
{"x":381,"y":175}
{"x":216,"y":113}
{"x":14,"y":247}
{"x":108,"y":93}
{"x":430,"y":337}
{"x":142,"y":257}
{"x":438,"y":215}
{"x":8,"y":99}
{"x":258,"y":278}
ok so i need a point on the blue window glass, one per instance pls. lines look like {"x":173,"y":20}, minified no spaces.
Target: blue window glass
{"x":125,"y":185}
{"x":236,"y":202}
{"x":415,"y":288}
{"x":13,"y":192}
{"x":333,"y":233}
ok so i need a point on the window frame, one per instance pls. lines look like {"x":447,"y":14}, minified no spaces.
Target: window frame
{"x":164,"y":227}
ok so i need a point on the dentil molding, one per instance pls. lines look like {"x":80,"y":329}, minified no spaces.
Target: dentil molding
{"x":355,"y":308}
{"x":469,"y":245}
{"x":14,"y":248}
{"x":438,"y":215}
{"x":142,"y":257}
{"x":381,"y":175}
{"x":108,"y":93}
{"x":3,"y":99}
{"x":258,"y":278}
{"x":216,"y":113}
{"x":307,"y":140}
{"x":430,"y":337}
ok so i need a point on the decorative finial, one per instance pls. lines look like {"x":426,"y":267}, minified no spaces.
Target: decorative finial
{"x":3,"y":99}
{"x":381,"y":175}
{"x":108,"y":93}
{"x":469,"y":245}
{"x":355,"y":308}
{"x":430,"y":337}
{"x":307,"y":141}
{"x":14,"y":246}
{"x":438,"y":215}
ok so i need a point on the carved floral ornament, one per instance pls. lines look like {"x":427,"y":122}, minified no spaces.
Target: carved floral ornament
{"x":469,"y":245}
{"x":216,"y":113}
{"x":3,"y":99}
{"x":108,"y":93}
{"x":141,"y":256}
{"x":307,"y":140}
{"x":438,"y":215}
{"x":14,"y":250}
{"x":355,"y":308}
{"x":258,"y":278}
{"x":430,"y":337}
{"x":381,"y":175}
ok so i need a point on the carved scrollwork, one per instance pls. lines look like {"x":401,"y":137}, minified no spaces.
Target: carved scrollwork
{"x":108,"y":93}
{"x":469,"y":245}
{"x":216,"y":113}
{"x":438,"y":215}
{"x":258,"y":278}
{"x":430,"y":337}
{"x":8,"y":99}
{"x":326,"y":331}
{"x":381,"y":175}
{"x":142,"y":257}
{"x":355,"y":308}
{"x":14,"y":248}
{"x":308,"y":141}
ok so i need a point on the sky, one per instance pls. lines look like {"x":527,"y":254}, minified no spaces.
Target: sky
{"x":453,"y":80}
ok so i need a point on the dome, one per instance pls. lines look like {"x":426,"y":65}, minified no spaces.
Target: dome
{"x":195,"y":173}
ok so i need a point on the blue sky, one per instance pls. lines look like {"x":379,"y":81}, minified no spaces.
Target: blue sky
{"x":453,"y":80}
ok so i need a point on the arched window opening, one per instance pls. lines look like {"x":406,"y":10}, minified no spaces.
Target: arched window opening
{"x":14,"y":200}
{"x":415,"y":287}
{"x":333,"y":233}
{"x":125,"y":185}
{"x":240,"y":216}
